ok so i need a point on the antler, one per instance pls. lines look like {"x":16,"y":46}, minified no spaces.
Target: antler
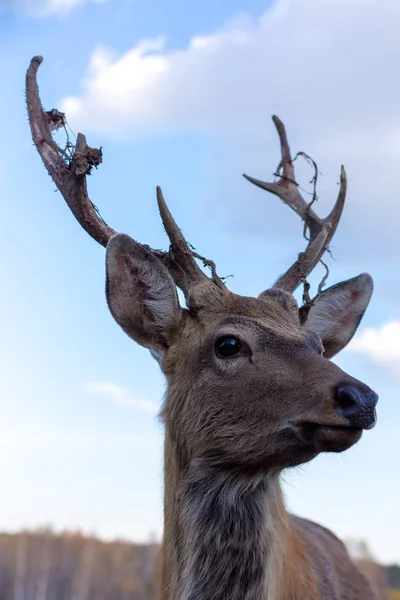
{"x":320,"y":230}
{"x":69,"y":174}
{"x":68,"y":169}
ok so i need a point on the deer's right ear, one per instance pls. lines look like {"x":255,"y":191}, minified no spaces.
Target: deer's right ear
{"x":141,"y":294}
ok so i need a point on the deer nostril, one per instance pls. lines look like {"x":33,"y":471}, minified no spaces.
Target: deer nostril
{"x":346,"y":398}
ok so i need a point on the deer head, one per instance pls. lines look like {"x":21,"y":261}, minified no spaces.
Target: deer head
{"x":250,"y":383}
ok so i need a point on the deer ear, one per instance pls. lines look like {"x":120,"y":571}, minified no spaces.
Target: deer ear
{"x":337,"y":312}
{"x":141,"y":294}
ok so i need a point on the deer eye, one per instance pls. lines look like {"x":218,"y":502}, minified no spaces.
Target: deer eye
{"x":227,"y":346}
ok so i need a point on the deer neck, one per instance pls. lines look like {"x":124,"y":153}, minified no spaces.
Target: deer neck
{"x":223,"y":533}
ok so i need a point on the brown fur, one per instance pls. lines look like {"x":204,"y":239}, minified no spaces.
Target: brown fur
{"x":233,"y":424}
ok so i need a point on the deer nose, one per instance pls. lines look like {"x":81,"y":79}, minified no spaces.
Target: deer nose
{"x":357,"y":402}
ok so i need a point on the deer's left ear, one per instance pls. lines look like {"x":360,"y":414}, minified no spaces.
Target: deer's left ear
{"x":337,"y":312}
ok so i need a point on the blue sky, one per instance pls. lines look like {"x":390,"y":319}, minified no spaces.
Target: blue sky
{"x":181,"y":95}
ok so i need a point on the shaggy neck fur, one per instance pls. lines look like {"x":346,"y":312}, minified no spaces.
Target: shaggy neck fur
{"x":224,"y":533}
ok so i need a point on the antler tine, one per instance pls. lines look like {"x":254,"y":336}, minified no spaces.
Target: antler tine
{"x":305,"y":262}
{"x":69,"y":175}
{"x":320,"y":230}
{"x":70,"y":178}
{"x":179,"y":251}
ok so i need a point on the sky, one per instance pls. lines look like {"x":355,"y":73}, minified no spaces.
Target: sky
{"x":180,"y":94}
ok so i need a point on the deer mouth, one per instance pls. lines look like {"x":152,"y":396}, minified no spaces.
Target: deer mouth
{"x":326,"y":437}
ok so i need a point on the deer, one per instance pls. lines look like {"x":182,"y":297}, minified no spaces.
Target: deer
{"x":251,"y":390}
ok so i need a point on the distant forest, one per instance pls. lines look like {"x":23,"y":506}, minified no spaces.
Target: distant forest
{"x":43,"y":565}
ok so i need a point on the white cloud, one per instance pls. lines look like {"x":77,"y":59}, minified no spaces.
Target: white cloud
{"x":46,"y":8}
{"x":381,"y":345}
{"x":317,"y":61}
{"x":121,"y":396}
